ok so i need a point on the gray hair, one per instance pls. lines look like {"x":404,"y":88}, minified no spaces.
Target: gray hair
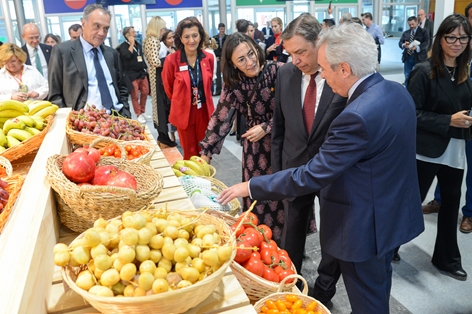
{"x":305,"y":25}
{"x":92,"y":7}
{"x":350,"y":43}
{"x":346,"y":17}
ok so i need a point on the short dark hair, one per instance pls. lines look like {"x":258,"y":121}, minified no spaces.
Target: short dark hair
{"x":412,"y":18}
{"x":467,"y":8}
{"x":329,"y":22}
{"x":367,"y":15}
{"x":126,"y":30}
{"x":56,"y":38}
{"x":221,"y":25}
{"x":357,"y":20}
{"x":188,"y":22}
{"x":165,"y":32}
{"x":74,"y":27}
{"x":242,"y":25}
{"x":305,"y":25}
{"x":231,"y":74}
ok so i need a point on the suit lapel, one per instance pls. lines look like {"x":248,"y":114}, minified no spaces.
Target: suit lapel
{"x":296,"y":96}
{"x":181,"y":65}
{"x":77,"y":56}
{"x":368,"y":82}
{"x":323,"y":104}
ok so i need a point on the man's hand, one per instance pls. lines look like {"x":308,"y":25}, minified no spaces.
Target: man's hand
{"x":237,"y":190}
{"x":33,"y":94}
{"x":131,"y":40}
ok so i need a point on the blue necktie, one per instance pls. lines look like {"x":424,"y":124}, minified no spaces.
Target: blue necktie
{"x":107,"y":102}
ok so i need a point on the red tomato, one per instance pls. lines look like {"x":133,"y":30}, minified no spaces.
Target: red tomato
{"x":271,"y":245}
{"x":243,"y":255}
{"x":239,"y":231}
{"x":285,"y":273}
{"x":249,"y":217}
{"x":255,"y":265}
{"x":270,"y":275}
{"x":265,"y":230}
{"x":283,"y":256}
{"x":252,"y":236}
{"x":269,"y":256}
{"x":278,"y":269}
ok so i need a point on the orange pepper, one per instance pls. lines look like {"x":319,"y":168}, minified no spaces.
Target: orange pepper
{"x":299,"y":311}
{"x":310,"y":312}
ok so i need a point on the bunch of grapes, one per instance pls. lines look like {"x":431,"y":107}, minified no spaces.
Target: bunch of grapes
{"x":4,"y":195}
{"x":91,"y":120}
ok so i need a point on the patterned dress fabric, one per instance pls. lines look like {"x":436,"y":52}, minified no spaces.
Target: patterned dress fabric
{"x":151,"y":47}
{"x":256,"y":156}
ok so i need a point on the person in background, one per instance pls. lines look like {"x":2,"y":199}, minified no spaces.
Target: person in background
{"x":327,"y":23}
{"x":245,"y":27}
{"x":152,"y":45}
{"x":85,"y":71}
{"x":426,"y":24}
{"x":375,"y":31}
{"x":347,"y":16}
{"x":258,"y":35}
{"x":355,"y":19}
{"x":75,"y":30}
{"x":267,"y":30}
{"x":187,"y":78}
{"x":37,"y":54}
{"x":365,"y":170}
{"x":19,"y":81}
{"x":220,"y":41}
{"x":52,"y":40}
{"x":249,"y":88}
{"x":413,"y":54}
{"x":274,"y":45}
{"x":209,"y":45}
{"x":442,"y":91}
{"x":134,"y":67}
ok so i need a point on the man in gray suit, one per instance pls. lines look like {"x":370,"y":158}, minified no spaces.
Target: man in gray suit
{"x":426,"y":24}
{"x":84,"y":71}
{"x":295,"y":139}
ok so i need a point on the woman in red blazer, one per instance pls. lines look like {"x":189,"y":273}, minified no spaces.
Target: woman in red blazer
{"x":187,"y":77}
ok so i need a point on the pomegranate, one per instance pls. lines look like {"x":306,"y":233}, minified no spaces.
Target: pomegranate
{"x":123,"y":179}
{"x":92,"y":152}
{"x":78,"y":167}
{"x":103,"y":174}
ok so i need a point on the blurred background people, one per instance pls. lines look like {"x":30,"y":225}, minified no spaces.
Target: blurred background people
{"x":18,"y":80}
{"x":220,"y":41}
{"x":187,"y":78}
{"x":274,"y":45}
{"x":209,"y":45}
{"x":37,"y":54}
{"x":327,"y":23}
{"x":52,"y":40}
{"x":258,"y":35}
{"x":167,"y":48}
{"x":375,"y":31}
{"x":75,"y":30}
{"x":267,"y":30}
{"x":426,"y":24}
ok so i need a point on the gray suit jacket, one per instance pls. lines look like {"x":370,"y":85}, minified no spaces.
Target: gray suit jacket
{"x":291,"y":146}
{"x":428,"y":26}
{"x":68,"y":79}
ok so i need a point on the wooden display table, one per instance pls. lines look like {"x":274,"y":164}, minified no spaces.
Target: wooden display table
{"x":31,"y":282}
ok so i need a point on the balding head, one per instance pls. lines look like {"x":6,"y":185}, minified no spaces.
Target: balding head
{"x":31,"y":35}
{"x":421,"y":15}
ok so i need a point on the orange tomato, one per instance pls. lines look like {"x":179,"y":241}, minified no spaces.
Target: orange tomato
{"x":271,"y":305}
{"x":288,"y":305}
{"x":273,"y":311}
{"x":312,"y":306}
{"x":291,"y":298}
{"x":310,"y":312}
{"x":299,"y":311}
{"x":280,"y":305}
{"x":264,"y":309}
{"x":297,"y":305}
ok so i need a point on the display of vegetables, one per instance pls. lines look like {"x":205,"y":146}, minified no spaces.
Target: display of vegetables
{"x":266,"y":259}
{"x":132,"y":151}
{"x":292,"y":304}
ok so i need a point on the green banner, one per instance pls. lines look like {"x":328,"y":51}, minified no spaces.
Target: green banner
{"x":259,"y":2}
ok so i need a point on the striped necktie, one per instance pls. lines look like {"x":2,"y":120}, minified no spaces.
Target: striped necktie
{"x":412,"y":37}
{"x":38,"y":61}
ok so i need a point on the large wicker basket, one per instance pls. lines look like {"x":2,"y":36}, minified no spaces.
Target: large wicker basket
{"x":177,"y":301}
{"x":15,"y":183}
{"x":30,"y":145}
{"x":144,"y":159}
{"x":279,"y":295}
{"x":79,"y":207}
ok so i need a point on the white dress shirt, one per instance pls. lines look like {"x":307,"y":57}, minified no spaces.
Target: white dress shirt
{"x":31,"y":78}
{"x":319,"y":87}
{"x":32,"y":56}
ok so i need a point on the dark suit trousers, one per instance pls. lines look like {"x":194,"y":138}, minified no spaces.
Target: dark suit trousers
{"x":218,"y":78}
{"x":446,"y":254}
{"x":368,"y":284}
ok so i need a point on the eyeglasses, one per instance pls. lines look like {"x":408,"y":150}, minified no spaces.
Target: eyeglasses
{"x":34,"y":38}
{"x":452,"y":39}
{"x":241,"y":61}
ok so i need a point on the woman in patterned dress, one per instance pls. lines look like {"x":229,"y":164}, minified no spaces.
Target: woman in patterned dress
{"x":243,"y":62}
{"x":152,"y":46}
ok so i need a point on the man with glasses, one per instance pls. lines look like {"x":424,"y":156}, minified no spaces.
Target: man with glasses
{"x":426,"y":24}
{"x":37,"y":54}
{"x":413,"y":54}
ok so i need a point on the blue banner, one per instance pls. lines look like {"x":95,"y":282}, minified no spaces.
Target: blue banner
{"x":174,"y":4}
{"x":66,"y":6}
{"x":119,"y":2}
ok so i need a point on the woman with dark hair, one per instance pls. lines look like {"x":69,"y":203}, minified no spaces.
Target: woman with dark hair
{"x":442,"y":92}
{"x":249,"y":88}
{"x":52,"y":40}
{"x":245,"y":27}
{"x":187,"y":79}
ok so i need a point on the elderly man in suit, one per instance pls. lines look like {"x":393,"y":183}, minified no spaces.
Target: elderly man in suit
{"x":37,"y":54}
{"x":84,"y":71}
{"x":365,"y":169}
{"x":304,"y":107}
{"x":427,"y":25}
{"x":413,"y":54}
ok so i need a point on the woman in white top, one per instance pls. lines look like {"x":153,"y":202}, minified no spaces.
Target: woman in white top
{"x":19,"y":81}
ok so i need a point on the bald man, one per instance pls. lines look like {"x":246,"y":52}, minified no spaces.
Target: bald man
{"x":37,"y":54}
{"x":426,"y":24}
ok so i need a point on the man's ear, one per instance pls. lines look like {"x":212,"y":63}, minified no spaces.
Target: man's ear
{"x":345,"y":69}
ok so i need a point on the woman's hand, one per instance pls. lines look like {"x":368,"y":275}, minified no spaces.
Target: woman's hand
{"x":271,"y":48}
{"x":206,"y":158}
{"x":20,"y":96}
{"x":33,"y":94}
{"x":461,"y":120}
{"x":237,"y":190}
{"x":255,"y":133}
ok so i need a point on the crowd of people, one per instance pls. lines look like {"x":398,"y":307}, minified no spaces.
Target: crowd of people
{"x":314,"y":116}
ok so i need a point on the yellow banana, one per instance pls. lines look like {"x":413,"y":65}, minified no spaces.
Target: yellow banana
{"x":43,"y":113}
{"x":194,"y":166}
{"x":2,"y":149}
{"x":27,"y":120}
{"x":188,"y":171}
{"x":38,"y":122}
{"x":11,"y":104}
{"x":203,"y":165}
{"x":178,"y":164}
{"x":21,"y":135}
{"x":3,"y":139}
{"x":13,"y":124}
{"x":11,"y":141}
{"x":177,"y":173}
{"x":30,"y":101}
{"x":33,"y":131}
{"x":38,"y":105}
{"x":10,"y":113}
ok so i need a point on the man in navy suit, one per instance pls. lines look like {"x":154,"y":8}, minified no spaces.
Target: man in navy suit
{"x":365,"y":169}
{"x":37,"y":54}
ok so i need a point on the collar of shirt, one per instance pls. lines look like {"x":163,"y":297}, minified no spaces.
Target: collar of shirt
{"x":356,"y":84}
{"x":86,"y":46}
{"x":31,"y":49}
{"x":319,"y":87}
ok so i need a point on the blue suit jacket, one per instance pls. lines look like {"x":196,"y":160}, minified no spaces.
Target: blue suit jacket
{"x":366,"y":171}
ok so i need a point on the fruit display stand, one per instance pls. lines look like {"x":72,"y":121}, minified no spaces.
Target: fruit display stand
{"x":31,"y":282}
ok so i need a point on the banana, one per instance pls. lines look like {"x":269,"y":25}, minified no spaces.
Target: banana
{"x":203,"y":164}
{"x":10,"y":113}
{"x":43,"y":113}
{"x":178,"y":164}
{"x":21,"y":135}
{"x":29,"y":102}
{"x":13,"y":105}
{"x":2,"y":149}
{"x":38,"y":105}
{"x":11,"y":141}
{"x":177,"y":173}
{"x":38,"y":122}
{"x":27,"y":120}
{"x":188,"y":171}
{"x":194,"y":166}
{"x":3,"y":139}
{"x":13,"y":124}
{"x":33,"y":131}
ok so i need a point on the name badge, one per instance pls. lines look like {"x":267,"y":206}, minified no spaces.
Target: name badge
{"x":140,"y":59}
{"x":183,"y":68}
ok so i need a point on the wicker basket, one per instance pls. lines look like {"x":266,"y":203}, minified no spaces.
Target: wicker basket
{"x":30,"y":145}
{"x":279,"y":295}
{"x":254,"y":286}
{"x":14,"y":187}
{"x":80,"y":138}
{"x":177,"y":301}
{"x":212,"y":171}
{"x":79,"y":207}
{"x":144,"y":159}
{"x":218,"y":186}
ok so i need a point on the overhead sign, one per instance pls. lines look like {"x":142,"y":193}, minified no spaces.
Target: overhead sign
{"x":259,"y":2}
{"x":65,"y":6}
{"x":174,"y":4}
{"x":120,"y":2}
